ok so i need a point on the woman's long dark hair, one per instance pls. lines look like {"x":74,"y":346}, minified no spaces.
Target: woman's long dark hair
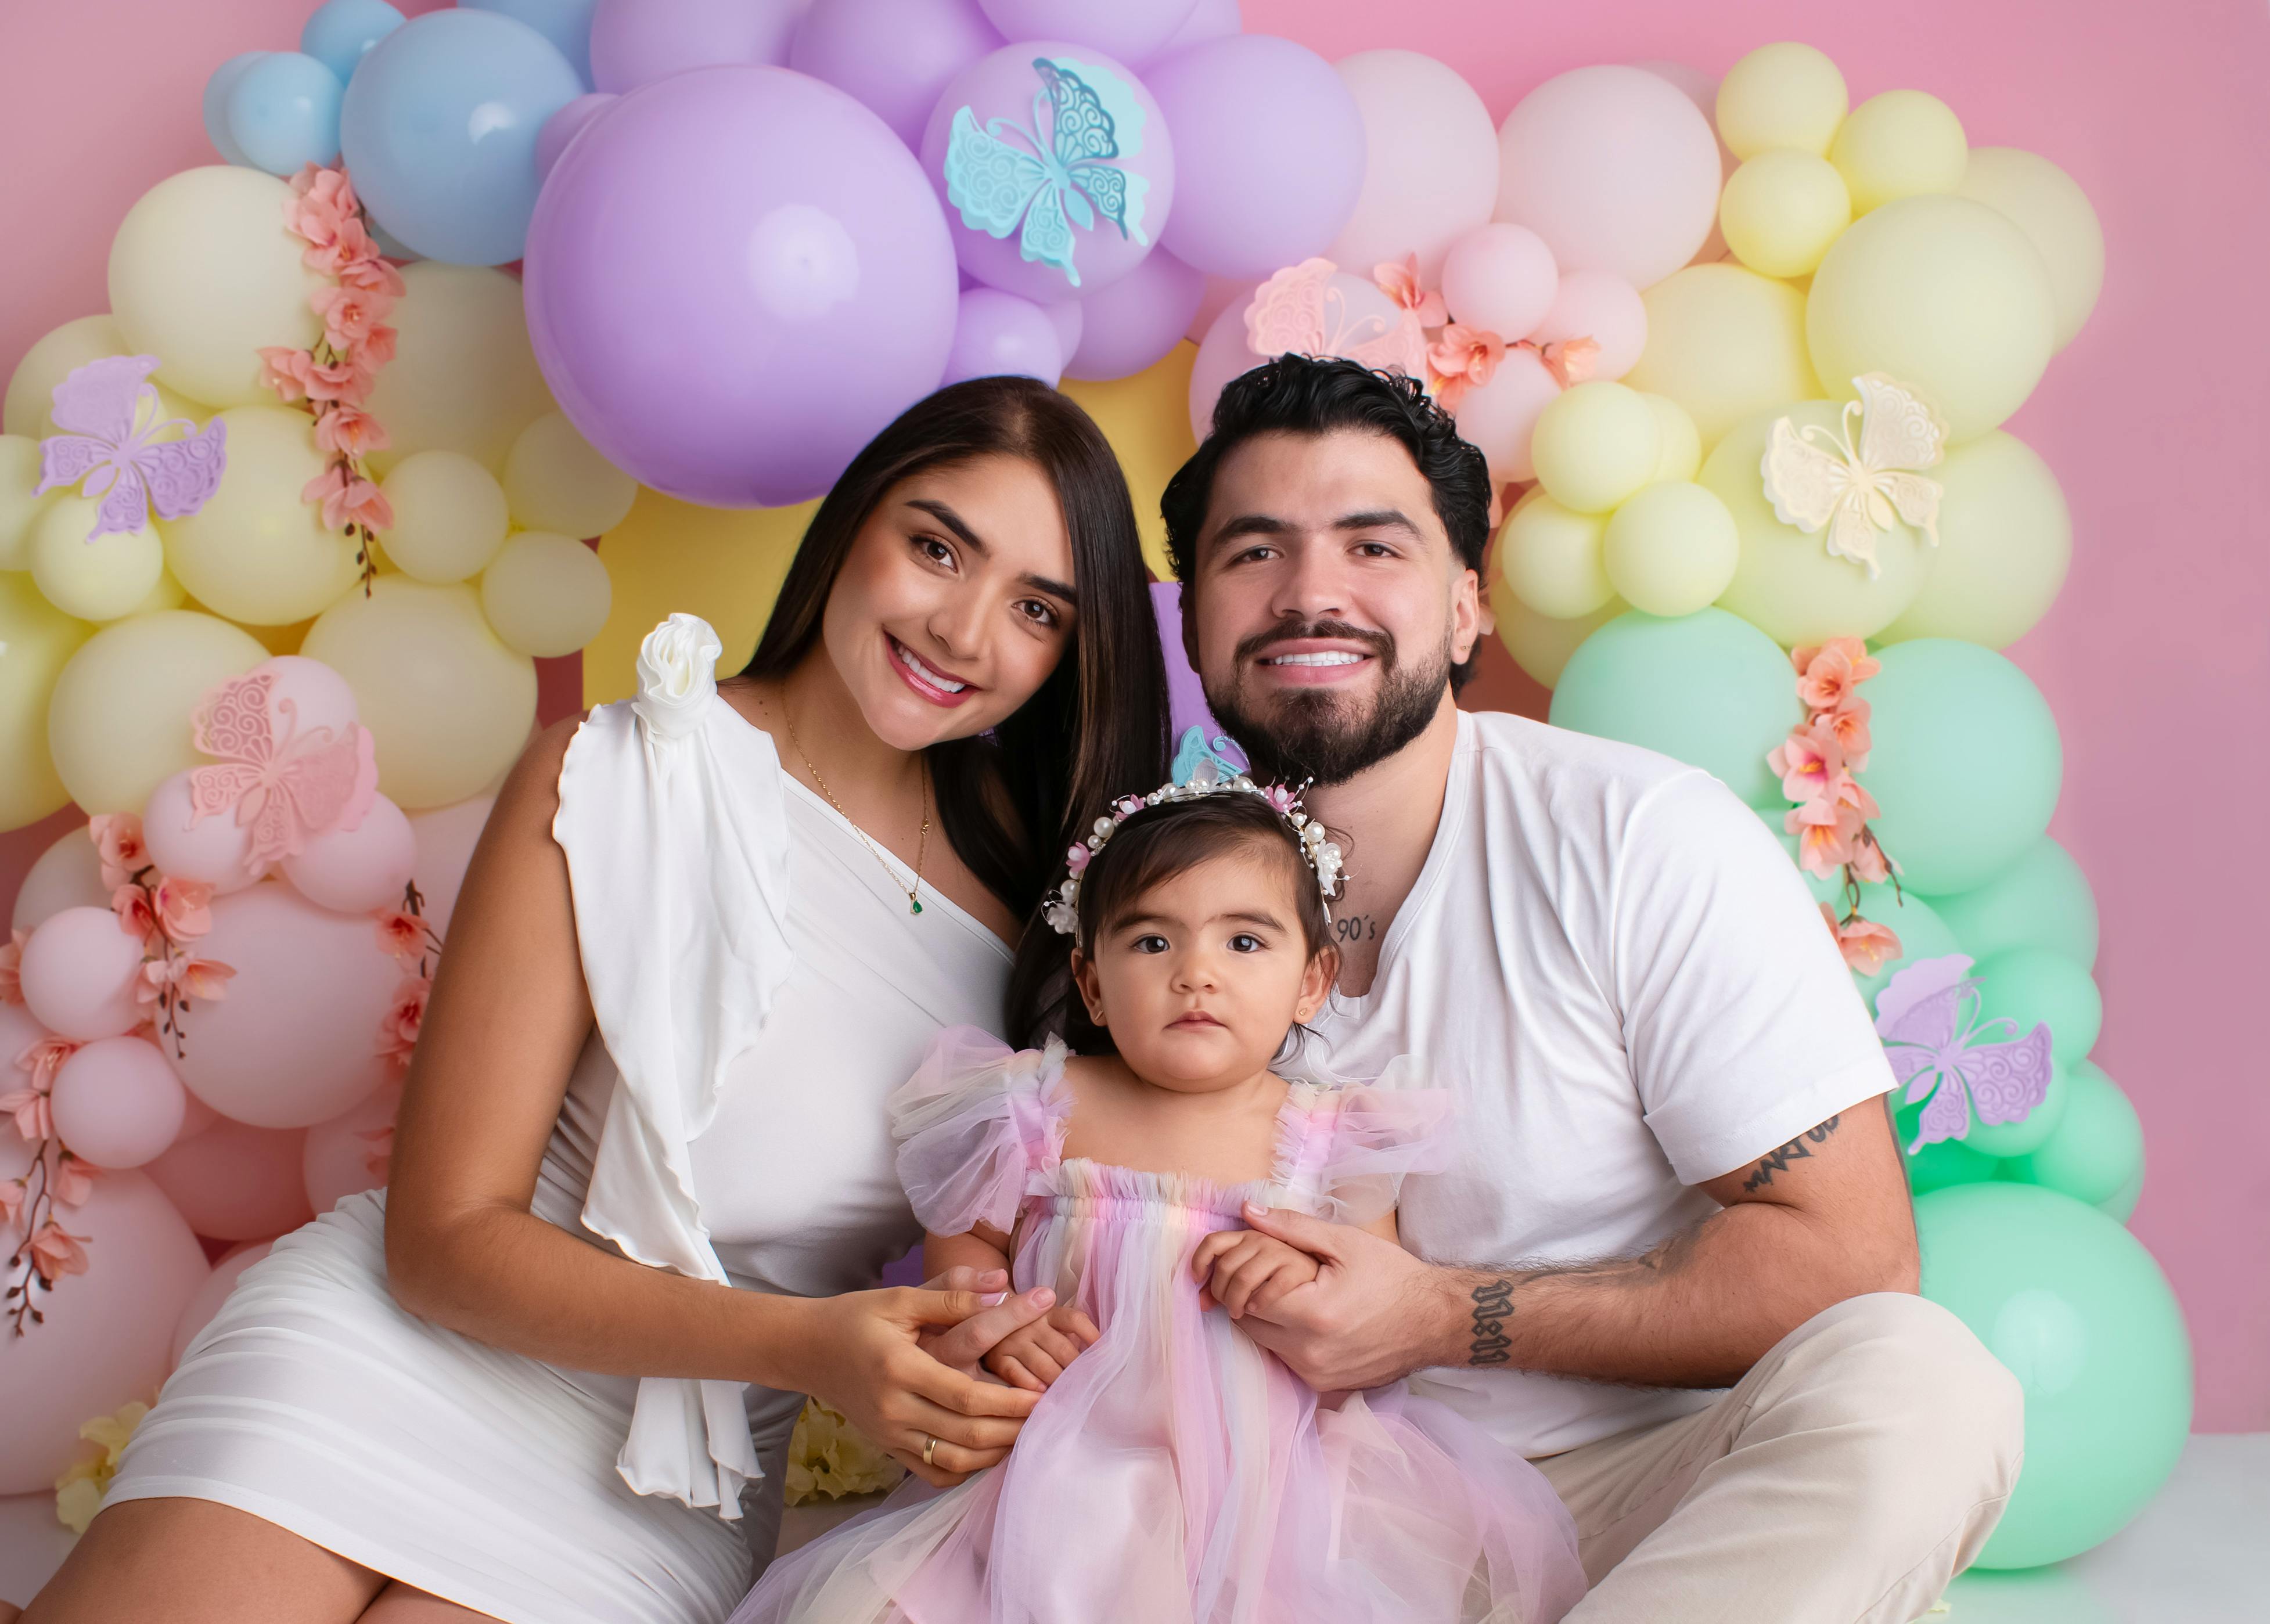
{"x":1011,"y":801}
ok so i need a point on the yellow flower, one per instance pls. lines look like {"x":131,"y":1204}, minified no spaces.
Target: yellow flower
{"x":79,"y":1491}
{"x":828,"y":1458}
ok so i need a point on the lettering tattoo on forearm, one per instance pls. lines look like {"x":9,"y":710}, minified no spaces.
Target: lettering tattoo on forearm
{"x":1777,"y":1161}
{"x":1493,"y":1306}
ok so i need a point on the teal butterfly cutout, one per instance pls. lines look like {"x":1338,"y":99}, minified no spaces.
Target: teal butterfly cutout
{"x":1068,"y":180}
{"x":1196,"y":762}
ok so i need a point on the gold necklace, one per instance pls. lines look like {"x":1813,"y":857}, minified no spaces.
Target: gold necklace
{"x":922,"y":840}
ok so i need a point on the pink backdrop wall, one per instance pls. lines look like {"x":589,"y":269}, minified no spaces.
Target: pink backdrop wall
{"x":2156,"y":658}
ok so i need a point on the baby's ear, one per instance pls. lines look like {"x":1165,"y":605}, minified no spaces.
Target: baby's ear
{"x":1316,"y":981}
{"x":1090,"y":988}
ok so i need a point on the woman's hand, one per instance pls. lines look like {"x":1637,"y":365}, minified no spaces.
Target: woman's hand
{"x":1243,"y":1269}
{"x":1034,"y":1355}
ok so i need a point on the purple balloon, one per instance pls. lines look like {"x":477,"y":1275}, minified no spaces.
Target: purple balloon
{"x":1132,"y":323}
{"x":1273,"y":150}
{"x":895,"y":55}
{"x":990,"y":146}
{"x":1070,"y":319}
{"x":635,"y":42}
{"x":563,"y":126}
{"x":998,"y":333}
{"x":734,"y":280}
{"x":1214,"y":19}
{"x":1128,"y":29}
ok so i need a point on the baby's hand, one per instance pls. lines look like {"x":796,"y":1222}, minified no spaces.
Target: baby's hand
{"x":1034,"y":1357}
{"x":1246,"y":1271}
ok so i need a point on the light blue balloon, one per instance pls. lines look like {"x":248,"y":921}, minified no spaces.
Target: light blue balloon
{"x":215,"y":107}
{"x":283,"y":113}
{"x":566,"y":23}
{"x":440,"y":127}
{"x":340,"y":31}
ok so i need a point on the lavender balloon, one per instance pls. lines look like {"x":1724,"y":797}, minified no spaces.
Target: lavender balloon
{"x":635,"y":42}
{"x":1128,"y":29}
{"x":895,"y":55}
{"x":1069,"y":318}
{"x":734,"y":280}
{"x":1000,"y":333}
{"x":563,"y":127}
{"x":1211,"y":19}
{"x":1132,"y":324}
{"x":1272,"y":149}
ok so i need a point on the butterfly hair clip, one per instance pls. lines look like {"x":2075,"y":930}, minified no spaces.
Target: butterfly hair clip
{"x":1299,"y":311}
{"x":1083,"y":118}
{"x":1855,"y":490}
{"x":1927,"y":1015}
{"x":113,"y":418}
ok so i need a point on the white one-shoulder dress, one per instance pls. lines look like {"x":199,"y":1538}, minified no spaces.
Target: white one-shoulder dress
{"x":760,"y":988}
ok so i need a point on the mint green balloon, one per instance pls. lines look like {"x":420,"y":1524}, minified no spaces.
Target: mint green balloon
{"x":1947,"y":1162}
{"x":1965,"y":762}
{"x":2042,"y":899}
{"x":2096,"y":1152}
{"x":1922,"y":933}
{"x":1708,"y":688}
{"x":2121,"y":1204}
{"x":2033,"y":984}
{"x":2037,"y":1596}
{"x":2074,"y":1306}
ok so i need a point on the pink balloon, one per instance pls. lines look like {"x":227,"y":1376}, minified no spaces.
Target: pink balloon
{"x":348,"y":1154}
{"x":79,"y":972}
{"x":117,"y":1103}
{"x":292,"y":1042}
{"x":308,"y":694}
{"x":1220,"y":294}
{"x":18,"y":1033}
{"x":107,"y":1333}
{"x":216,"y":849}
{"x":197,"y":1116}
{"x":1702,"y":89}
{"x":354,"y":870}
{"x":1431,"y":161}
{"x":1132,"y":324}
{"x":233,"y":1183}
{"x":1615,"y":168}
{"x":446,"y":837}
{"x":68,"y":874}
{"x":635,"y":42}
{"x":1500,"y":277}
{"x":1497,"y":418}
{"x":212,"y":1294}
{"x":1129,"y":29}
{"x":1601,"y":307}
{"x":565,"y":125}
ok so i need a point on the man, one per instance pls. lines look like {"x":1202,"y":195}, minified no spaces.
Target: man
{"x":1677,"y":1175}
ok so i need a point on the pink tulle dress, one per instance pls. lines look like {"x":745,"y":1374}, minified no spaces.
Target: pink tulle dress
{"x":1176,"y":1473}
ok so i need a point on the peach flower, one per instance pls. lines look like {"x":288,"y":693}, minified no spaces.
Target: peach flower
{"x":135,"y":916}
{"x":1827,"y":674}
{"x":348,"y":246}
{"x":1849,"y":724}
{"x":11,"y":1200}
{"x":184,"y":908}
{"x":296,"y":376}
{"x":350,"y":315}
{"x":118,"y":840}
{"x":44,"y":1059}
{"x":1400,"y":283}
{"x":1866,"y":945}
{"x":74,"y":1180}
{"x":1868,"y":861}
{"x":56,"y":1252}
{"x":36,"y":1118}
{"x":1809,"y":763}
{"x":404,"y":1018}
{"x":350,"y":431}
{"x":349,"y":499}
{"x":374,"y":276}
{"x":378,"y":1149}
{"x":1571,"y":360}
{"x":400,"y":935}
{"x":1463,"y":358}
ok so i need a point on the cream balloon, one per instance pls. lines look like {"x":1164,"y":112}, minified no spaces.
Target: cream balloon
{"x":257,"y":552}
{"x":1540,"y":644}
{"x":19,"y":509}
{"x":1681,"y":456}
{"x":545,"y":595}
{"x":449,"y":704}
{"x":1724,"y":343}
{"x":1787,"y":583}
{"x":29,"y":410}
{"x":2005,"y":539}
{"x":1903,"y":144}
{"x":166,"y":594}
{"x":68,"y":874}
{"x":1781,"y":211}
{"x":449,"y":516}
{"x":1550,"y":555}
{"x":1431,"y":161}
{"x":204,"y":275}
{"x":1499,"y":417}
{"x":2046,"y":203}
{"x":37,"y":641}
{"x":1670,"y":550}
{"x":92,"y":577}
{"x":463,"y":377}
{"x":555,"y":481}
{"x":1595,"y":446}
{"x":1786,"y":94}
{"x":1943,"y":294}
{"x":119,"y":722}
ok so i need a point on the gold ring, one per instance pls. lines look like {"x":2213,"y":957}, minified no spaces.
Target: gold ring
{"x":929,"y":1449}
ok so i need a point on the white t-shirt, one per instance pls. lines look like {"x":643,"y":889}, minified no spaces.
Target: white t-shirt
{"x":1619,"y":971}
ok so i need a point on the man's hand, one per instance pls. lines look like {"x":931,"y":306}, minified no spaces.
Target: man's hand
{"x":1372,"y":1315}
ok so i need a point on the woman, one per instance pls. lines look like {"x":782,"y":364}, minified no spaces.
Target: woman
{"x":781,"y":887}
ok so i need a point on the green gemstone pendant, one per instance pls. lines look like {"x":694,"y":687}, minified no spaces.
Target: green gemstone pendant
{"x":917,"y":907}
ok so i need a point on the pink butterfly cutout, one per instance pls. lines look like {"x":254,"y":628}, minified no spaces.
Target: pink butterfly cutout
{"x":287,"y":788}
{"x":1299,"y":310}
{"x":114,"y":412}
{"x":1927,"y":1015}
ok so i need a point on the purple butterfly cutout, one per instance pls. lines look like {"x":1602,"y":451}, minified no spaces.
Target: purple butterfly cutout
{"x":1927,"y":1015}
{"x":113,"y":412}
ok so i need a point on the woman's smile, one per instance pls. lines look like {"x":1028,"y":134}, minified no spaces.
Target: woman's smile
{"x":926,"y":679}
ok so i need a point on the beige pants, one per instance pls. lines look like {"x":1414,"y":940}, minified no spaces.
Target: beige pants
{"x":1856,"y":1469}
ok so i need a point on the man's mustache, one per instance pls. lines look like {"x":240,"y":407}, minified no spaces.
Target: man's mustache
{"x":1381,"y":645}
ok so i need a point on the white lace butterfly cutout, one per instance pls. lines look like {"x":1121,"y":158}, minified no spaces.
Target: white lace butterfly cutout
{"x":1816,"y":480}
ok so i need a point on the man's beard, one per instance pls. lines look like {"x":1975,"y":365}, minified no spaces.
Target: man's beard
{"x":1322,"y":734}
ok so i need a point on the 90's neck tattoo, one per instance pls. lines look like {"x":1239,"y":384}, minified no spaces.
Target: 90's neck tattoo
{"x":1493,"y":1306}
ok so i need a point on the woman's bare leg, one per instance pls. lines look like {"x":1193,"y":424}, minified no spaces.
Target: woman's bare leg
{"x":192,"y":1562}
{"x":398,"y":1603}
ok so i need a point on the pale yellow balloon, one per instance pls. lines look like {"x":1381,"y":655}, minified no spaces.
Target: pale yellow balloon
{"x":1670,"y":550}
{"x":119,"y":724}
{"x":556,"y":482}
{"x":256,"y":551}
{"x":449,"y":516}
{"x":1945,"y":296}
{"x":546,"y":594}
{"x":1786,"y":94}
{"x":448,"y":706}
{"x":2005,"y":539}
{"x":1724,"y":343}
{"x":96,"y":580}
{"x":167,"y":594}
{"x":1682,"y":442}
{"x":463,"y":377}
{"x":31,"y":390}
{"x":1903,"y":144}
{"x":36,"y":640}
{"x":1595,"y":445}
{"x":2047,"y":205}
{"x":1541,"y":644}
{"x":1146,"y":419}
{"x":1781,"y":211}
{"x":204,"y":273}
{"x":1550,"y":555}
{"x":1786,"y":582}
{"x":19,"y":509}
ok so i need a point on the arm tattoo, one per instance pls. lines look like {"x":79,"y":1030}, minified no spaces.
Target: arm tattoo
{"x":1777,"y":1161}
{"x":1493,"y":1304}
